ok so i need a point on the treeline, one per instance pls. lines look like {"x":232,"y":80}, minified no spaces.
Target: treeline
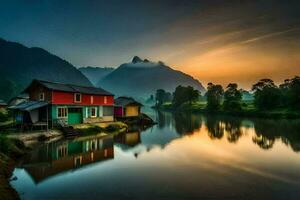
{"x":267,"y":96}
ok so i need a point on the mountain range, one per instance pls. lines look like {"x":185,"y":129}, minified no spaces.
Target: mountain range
{"x":94,"y":74}
{"x":142,"y":77}
{"x":19,"y":65}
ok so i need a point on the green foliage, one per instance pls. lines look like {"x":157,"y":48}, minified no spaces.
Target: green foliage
{"x":5,"y":144}
{"x":232,"y":98}
{"x":214,"y":96}
{"x":8,"y":89}
{"x":266,"y":94}
{"x":162,"y":96}
{"x":184,"y":94}
{"x":4,"y":115}
{"x":290,"y":92}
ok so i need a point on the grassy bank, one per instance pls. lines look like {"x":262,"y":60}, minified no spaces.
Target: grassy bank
{"x":111,"y":128}
{"x":248,"y":110}
{"x":10,"y":151}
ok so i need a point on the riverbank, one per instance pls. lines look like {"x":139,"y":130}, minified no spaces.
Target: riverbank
{"x":248,"y":110}
{"x":10,"y":151}
{"x":14,"y":145}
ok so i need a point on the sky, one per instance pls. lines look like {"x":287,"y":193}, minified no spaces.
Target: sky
{"x":214,"y":40}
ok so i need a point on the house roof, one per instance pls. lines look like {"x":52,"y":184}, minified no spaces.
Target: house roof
{"x":29,"y":105}
{"x":124,"y":101}
{"x":71,"y":88}
{"x":2,"y":103}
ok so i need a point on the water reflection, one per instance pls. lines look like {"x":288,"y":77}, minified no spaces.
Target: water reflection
{"x":266,"y":131}
{"x":182,"y":153}
{"x":61,"y":156}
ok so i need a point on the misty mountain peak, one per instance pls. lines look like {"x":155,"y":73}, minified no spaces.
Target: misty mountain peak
{"x":136,"y":59}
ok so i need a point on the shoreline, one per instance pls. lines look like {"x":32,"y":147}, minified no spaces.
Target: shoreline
{"x":251,"y":114}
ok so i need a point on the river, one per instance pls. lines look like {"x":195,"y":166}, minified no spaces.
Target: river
{"x":184,"y":156}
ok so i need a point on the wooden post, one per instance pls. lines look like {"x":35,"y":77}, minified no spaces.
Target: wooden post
{"x":47,"y":119}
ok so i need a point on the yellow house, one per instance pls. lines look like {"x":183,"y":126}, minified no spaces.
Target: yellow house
{"x":127,"y":107}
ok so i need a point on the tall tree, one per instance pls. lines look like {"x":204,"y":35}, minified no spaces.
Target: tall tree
{"x":184,"y":94}
{"x":160,"y":96}
{"x":266,"y":94}
{"x":214,"y":96}
{"x":232,"y":98}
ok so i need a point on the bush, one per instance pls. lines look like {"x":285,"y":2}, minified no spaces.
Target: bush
{"x":5,"y":145}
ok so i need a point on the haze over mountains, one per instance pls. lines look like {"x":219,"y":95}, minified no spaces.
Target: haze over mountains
{"x":94,"y":74}
{"x":19,"y":65}
{"x":140,"y":78}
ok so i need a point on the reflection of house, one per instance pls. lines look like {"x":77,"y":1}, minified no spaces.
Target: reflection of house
{"x":131,"y":138}
{"x":63,"y":156}
{"x":127,"y":107}
{"x":65,"y":103}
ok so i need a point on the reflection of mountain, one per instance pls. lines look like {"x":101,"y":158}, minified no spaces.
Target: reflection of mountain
{"x":63,"y":156}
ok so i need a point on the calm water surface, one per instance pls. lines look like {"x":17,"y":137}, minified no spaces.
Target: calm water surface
{"x":183,"y":157}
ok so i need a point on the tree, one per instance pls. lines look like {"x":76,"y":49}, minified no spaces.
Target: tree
{"x":192,"y":94}
{"x":214,"y":96}
{"x":162,"y":96}
{"x":232,"y":98}
{"x":294,"y":92}
{"x":184,"y":94}
{"x":266,"y":94}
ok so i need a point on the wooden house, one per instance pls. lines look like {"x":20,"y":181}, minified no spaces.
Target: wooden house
{"x":127,"y":107}
{"x":69,"y":104}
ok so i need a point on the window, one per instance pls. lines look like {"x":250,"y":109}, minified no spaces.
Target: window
{"x":105,"y":100}
{"x":42,"y":96}
{"x":108,"y":110}
{"x":92,"y":99}
{"x":77,"y":98}
{"x":77,"y":161}
{"x":62,"y":112}
{"x":93,"y":112}
{"x":62,"y":151}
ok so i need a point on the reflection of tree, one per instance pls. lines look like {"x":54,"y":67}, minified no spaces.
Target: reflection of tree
{"x":161,"y":119}
{"x":263,"y":142}
{"x":186,"y":123}
{"x":268,"y":130}
{"x":215,"y":127}
{"x":233,"y":129}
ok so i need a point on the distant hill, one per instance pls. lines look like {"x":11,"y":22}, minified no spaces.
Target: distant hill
{"x":94,"y":74}
{"x":20,"y":64}
{"x":140,"y":78}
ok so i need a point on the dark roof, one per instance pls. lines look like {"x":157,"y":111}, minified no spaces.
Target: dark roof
{"x":3,"y":103}
{"x":72,"y":88}
{"x":29,"y":105}
{"x":124,"y":101}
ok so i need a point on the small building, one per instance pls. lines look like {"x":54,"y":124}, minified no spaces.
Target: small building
{"x":18,"y":99}
{"x":3,"y":104}
{"x":59,"y":103}
{"x":127,"y":107}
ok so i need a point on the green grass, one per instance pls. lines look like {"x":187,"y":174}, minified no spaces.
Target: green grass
{"x":248,"y":110}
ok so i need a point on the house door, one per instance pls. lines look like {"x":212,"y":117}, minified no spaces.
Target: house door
{"x":74,"y":116}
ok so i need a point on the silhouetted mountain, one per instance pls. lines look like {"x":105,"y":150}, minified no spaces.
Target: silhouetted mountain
{"x":94,"y":74}
{"x":20,"y":64}
{"x":140,"y":78}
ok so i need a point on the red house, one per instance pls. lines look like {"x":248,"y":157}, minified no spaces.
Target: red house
{"x":66,"y":103}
